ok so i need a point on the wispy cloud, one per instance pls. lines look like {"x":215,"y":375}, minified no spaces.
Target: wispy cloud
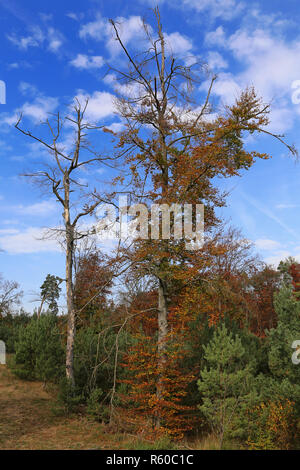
{"x":36,"y":110}
{"x":267,"y":244}
{"x":38,"y":209}
{"x":38,"y":37}
{"x":223,"y":9}
{"x":29,"y":240}
{"x":269,"y":213}
{"x":35,"y":38}
{"x":278,"y":256}
{"x":286,"y":206}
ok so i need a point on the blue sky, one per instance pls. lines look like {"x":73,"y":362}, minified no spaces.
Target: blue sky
{"x":54,"y":51}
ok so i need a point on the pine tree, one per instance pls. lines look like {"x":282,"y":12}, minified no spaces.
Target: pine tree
{"x":281,"y":341}
{"x":227,"y":385}
{"x":50,"y":292}
{"x":39,"y":350}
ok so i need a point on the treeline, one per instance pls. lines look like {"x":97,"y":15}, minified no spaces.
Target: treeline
{"x":229,"y":368}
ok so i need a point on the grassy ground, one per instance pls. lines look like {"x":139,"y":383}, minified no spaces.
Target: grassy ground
{"x":27,"y":422}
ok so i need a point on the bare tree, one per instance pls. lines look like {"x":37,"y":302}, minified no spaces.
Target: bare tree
{"x":10,"y":294}
{"x":62,"y":177}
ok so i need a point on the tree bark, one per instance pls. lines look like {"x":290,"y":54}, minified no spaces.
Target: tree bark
{"x":161,"y":343}
{"x":71,"y":328}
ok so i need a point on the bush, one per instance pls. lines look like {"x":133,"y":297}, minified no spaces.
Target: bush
{"x":95,"y":406}
{"x":69,"y":398}
{"x":10,"y":325}
{"x":39,"y":352}
{"x":94,"y":359}
{"x":272,"y":426}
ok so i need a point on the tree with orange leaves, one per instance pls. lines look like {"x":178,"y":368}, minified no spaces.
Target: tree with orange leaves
{"x":93,"y":281}
{"x":175,"y":150}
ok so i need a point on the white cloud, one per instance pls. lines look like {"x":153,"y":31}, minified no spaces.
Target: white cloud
{"x":279,"y":256}
{"x":178,"y":44}
{"x":38,"y":209}
{"x":5,"y":147}
{"x":40,"y":109}
{"x":225,"y":87}
{"x":130,"y":30}
{"x":266,"y":244}
{"x":269,"y":63}
{"x":55,"y":40}
{"x":216,"y":38}
{"x":130,"y":89}
{"x":14,"y":65}
{"x":27,"y":241}
{"x":225,"y":9}
{"x":17,"y":65}
{"x":215,"y":61}
{"x":28,"y":89}
{"x":100,"y":171}
{"x":36,"y":110}
{"x":96,"y":29}
{"x":244,"y":43}
{"x":83,"y":61}
{"x":100,"y":105}
{"x":34,"y":39}
{"x":281,"y":119}
{"x":75,"y":16}
{"x":37,"y":37}
{"x":46,"y":17}
{"x":116,"y":126}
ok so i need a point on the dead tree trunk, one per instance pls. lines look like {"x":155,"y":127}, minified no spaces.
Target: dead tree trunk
{"x":69,"y":285}
{"x":62,"y":179}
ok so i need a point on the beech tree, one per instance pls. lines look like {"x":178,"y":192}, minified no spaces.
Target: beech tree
{"x":62,"y":177}
{"x":93,"y":280}
{"x":175,"y":148}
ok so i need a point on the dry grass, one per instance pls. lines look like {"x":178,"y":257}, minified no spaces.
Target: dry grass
{"x":211,"y":442}
{"x":205,"y":443}
{"x":27,"y":421}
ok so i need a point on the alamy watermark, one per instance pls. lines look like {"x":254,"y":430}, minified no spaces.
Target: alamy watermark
{"x":2,"y":92}
{"x":2,"y":352}
{"x":160,"y":221}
